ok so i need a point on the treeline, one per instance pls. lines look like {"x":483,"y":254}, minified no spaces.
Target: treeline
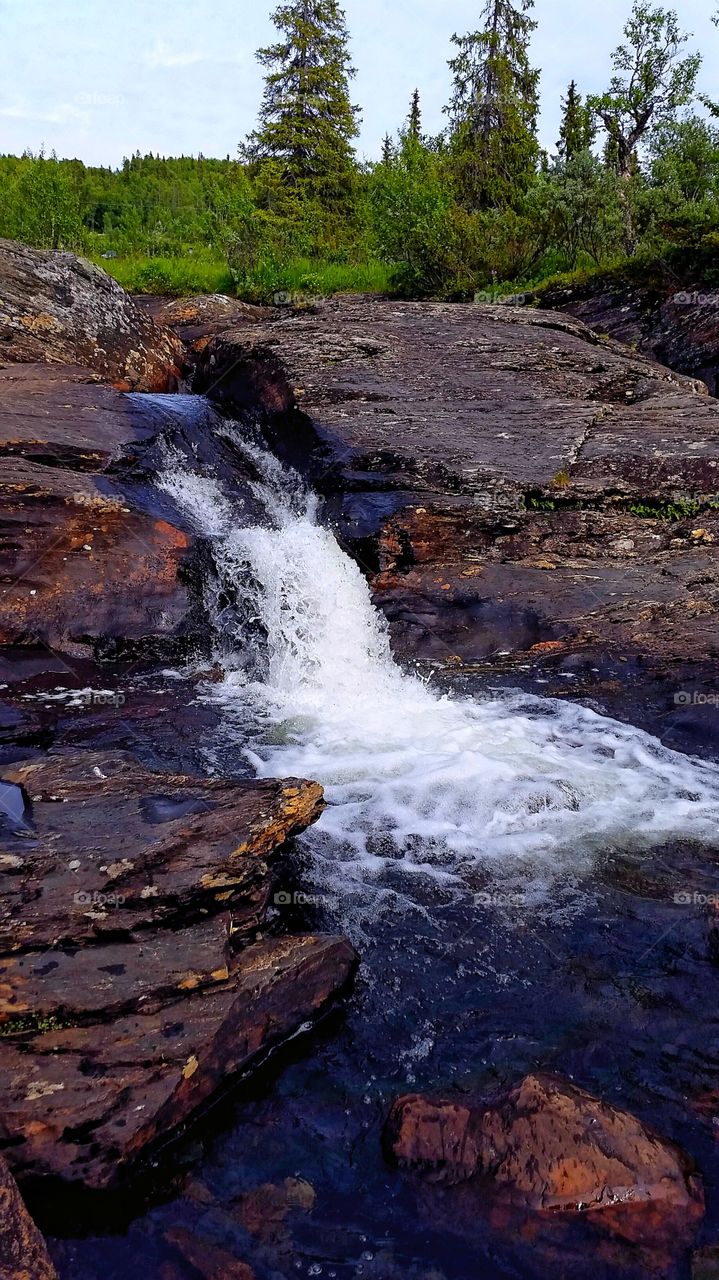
{"x":635,"y":171}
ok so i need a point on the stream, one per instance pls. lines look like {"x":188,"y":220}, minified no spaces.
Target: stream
{"x":527,"y":882}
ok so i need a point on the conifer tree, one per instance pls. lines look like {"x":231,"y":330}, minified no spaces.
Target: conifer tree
{"x":307,"y":121}
{"x":414,"y":120}
{"x":577,"y":130}
{"x":494,"y":107}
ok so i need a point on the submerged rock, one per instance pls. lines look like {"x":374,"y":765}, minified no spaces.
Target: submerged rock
{"x":61,"y":309}
{"x":558,"y":1149}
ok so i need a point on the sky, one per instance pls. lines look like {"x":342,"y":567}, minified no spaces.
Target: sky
{"x":99,"y":80}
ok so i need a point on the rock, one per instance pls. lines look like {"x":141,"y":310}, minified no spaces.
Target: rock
{"x":23,"y":1254}
{"x":705,"y":1263}
{"x":495,"y":471}
{"x":57,"y":308}
{"x":197,"y":318}
{"x":263,"y":1212}
{"x":83,"y":1103}
{"x":77,"y":564}
{"x":209,"y":1260}
{"x":116,"y":847}
{"x":558,"y":1149}
{"x":116,"y":978}
{"x":669,"y":315}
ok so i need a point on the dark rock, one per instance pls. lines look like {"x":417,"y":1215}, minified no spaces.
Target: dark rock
{"x":196,"y":319}
{"x":92,"y":864}
{"x":57,"y":308}
{"x":670,"y":316}
{"x":82,"y":1103}
{"x":705,"y":1263}
{"x":507,"y":478}
{"x":556,"y":1148}
{"x":23,"y":1255}
{"x":116,"y":978}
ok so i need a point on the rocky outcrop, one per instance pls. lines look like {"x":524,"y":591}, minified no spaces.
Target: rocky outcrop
{"x":556,"y":1149}
{"x":669,"y":315}
{"x":23,"y":1254}
{"x":55,"y":307}
{"x":132,"y":989}
{"x":519,"y":490}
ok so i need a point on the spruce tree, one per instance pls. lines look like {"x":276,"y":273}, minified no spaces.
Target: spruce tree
{"x":494,"y":107}
{"x":414,"y":120}
{"x":577,"y":130}
{"x":307,"y":121}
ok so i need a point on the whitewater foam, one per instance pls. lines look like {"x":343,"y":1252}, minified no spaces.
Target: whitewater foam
{"x":511,"y":785}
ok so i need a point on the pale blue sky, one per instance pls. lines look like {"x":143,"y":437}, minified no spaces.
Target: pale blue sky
{"x":100,"y":80}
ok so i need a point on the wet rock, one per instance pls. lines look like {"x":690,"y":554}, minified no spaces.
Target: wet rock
{"x":78,"y":565}
{"x":23,"y":1255}
{"x":116,"y":978}
{"x":83,"y":1103}
{"x":506,"y":477}
{"x":61,"y":309}
{"x":556,"y":1148}
{"x":209,"y":1260}
{"x":264,"y":1211}
{"x":94,"y":864}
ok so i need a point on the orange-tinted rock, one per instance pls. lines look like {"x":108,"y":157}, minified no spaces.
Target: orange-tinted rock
{"x":209,"y":1260}
{"x":61,"y":309}
{"x":23,"y":1255}
{"x":556,"y":1148}
{"x":83,"y":1102}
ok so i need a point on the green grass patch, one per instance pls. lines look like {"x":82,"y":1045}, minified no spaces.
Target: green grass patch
{"x":305,"y":277}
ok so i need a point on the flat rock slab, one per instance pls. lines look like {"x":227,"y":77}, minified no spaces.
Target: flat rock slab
{"x":506,"y":477}
{"x":557,"y":1149}
{"x":152,"y":969}
{"x":23,"y":1254}
{"x":106,"y":846}
{"x":81,"y":1104}
{"x":58,"y":308}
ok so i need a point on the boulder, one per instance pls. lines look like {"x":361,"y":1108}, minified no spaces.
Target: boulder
{"x":23,"y":1254}
{"x":556,"y":1149}
{"x":60,"y":309}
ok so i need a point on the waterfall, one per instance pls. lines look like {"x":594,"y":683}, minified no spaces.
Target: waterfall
{"x":512,"y":784}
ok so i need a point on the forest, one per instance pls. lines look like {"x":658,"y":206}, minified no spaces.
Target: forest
{"x":481,"y":208}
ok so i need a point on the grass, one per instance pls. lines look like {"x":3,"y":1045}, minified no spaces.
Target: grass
{"x":179,"y":277}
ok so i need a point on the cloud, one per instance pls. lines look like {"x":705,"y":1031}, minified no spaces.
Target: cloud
{"x":63,"y":113}
{"x":163,"y":57}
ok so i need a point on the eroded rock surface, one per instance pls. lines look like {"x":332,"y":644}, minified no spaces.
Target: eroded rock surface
{"x":59,"y":308}
{"x":516,"y":487}
{"x":557,"y":1149}
{"x":131,"y":987}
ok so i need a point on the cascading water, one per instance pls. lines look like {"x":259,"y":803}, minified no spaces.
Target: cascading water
{"x":513,"y":787}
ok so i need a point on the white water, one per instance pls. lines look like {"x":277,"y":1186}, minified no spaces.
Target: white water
{"x":520,"y":787}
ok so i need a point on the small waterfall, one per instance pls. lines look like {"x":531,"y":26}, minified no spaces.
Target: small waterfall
{"x":513,"y":786}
